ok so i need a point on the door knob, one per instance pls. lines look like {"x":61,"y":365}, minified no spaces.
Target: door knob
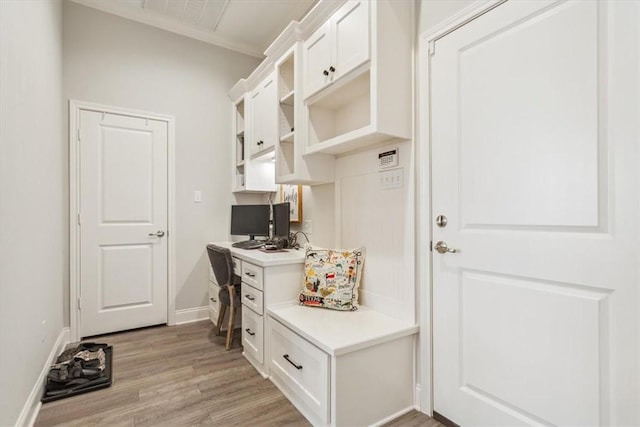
{"x":332,"y":69}
{"x":442,"y":248}
{"x":158,"y":233}
{"x":325,"y":72}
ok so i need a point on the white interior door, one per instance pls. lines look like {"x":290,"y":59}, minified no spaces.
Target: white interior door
{"x":123,"y":224}
{"x":534,"y":164}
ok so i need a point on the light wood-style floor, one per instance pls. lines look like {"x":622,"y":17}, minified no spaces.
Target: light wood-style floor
{"x":182,"y":375}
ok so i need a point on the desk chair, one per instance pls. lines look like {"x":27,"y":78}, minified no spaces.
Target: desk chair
{"x":229,"y":296}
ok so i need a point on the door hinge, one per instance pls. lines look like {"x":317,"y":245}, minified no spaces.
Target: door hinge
{"x":78,"y":218}
{"x":431,"y":246}
{"x":432,"y":48}
{"x":78,"y":132}
{"x":79,"y":306}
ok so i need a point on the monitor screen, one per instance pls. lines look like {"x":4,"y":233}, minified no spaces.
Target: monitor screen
{"x":281,"y":220}
{"x":250,"y":220}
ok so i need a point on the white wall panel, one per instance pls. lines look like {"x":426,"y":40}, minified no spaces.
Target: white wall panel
{"x":531,"y":321}
{"x":533,"y":163}
{"x":382,"y":221}
{"x":126,"y":154}
{"x":120,"y":287}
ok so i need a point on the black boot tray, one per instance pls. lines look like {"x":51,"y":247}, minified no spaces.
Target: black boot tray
{"x":103,"y":381}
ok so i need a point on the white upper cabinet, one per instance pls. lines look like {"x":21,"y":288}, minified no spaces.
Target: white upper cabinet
{"x":339,"y":80}
{"x":263,"y":133}
{"x":252,"y":174}
{"x":339,"y":46}
{"x":366,"y":93}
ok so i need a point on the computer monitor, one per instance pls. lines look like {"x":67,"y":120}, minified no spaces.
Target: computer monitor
{"x":250,"y":220}
{"x":281,"y":225}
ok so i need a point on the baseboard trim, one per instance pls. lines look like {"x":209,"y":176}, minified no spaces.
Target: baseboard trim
{"x":393,"y":416}
{"x":417,"y":398}
{"x":189,"y":315}
{"x":31,"y":408}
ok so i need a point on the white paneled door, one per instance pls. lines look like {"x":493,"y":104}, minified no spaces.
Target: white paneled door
{"x":123,"y":222}
{"x":534,"y":166}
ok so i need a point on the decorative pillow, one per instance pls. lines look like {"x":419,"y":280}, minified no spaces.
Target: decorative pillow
{"x":332,"y":277}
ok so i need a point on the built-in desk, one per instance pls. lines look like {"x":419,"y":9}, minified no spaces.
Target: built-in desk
{"x":336,"y":367}
{"x":268,"y":279}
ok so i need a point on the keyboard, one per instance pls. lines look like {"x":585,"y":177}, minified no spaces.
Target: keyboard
{"x":248,"y":244}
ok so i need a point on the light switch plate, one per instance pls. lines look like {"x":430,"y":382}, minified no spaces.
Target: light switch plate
{"x":307,"y":226}
{"x":391,"y":179}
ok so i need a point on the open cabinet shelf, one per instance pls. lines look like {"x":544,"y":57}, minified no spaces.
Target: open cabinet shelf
{"x":291,"y":166}
{"x":288,"y":98}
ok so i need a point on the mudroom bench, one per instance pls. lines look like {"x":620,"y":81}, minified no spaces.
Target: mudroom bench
{"x":342,"y":367}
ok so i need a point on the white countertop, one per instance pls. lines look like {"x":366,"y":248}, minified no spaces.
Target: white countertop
{"x":265,"y":259}
{"x":341,"y":332}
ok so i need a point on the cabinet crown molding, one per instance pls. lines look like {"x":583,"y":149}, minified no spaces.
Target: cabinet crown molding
{"x":295,"y":31}
{"x":284,"y":41}
{"x":238,"y":90}
{"x":319,"y":15}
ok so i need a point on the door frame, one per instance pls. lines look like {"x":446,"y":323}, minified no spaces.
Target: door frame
{"x":75,"y":107}
{"x":426,"y":46}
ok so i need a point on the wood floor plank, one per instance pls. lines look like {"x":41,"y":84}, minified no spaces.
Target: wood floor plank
{"x":178,"y":376}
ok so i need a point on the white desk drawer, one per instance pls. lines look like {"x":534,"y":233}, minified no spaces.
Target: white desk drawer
{"x":252,"y":274}
{"x":252,"y":298}
{"x":302,"y":369}
{"x":252,"y":335}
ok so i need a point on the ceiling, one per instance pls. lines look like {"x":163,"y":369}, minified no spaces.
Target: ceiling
{"x":247,"y":26}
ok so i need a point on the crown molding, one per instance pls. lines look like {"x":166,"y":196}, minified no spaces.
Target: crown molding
{"x":287,"y":38}
{"x":238,"y":90}
{"x":317,"y":16}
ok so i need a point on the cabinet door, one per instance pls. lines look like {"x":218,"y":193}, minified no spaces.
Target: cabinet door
{"x":269,"y":113}
{"x":316,"y":58}
{"x":256,"y":120}
{"x":264,"y":116}
{"x":350,"y":37}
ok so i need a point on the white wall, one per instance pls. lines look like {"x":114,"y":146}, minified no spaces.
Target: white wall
{"x":110,"y":60}
{"x":433,"y":12}
{"x":33,"y":214}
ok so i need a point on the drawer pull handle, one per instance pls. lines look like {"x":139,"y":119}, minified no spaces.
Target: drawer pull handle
{"x":251,"y":274}
{"x":286,"y":356}
{"x":249,"y":332}
{"x":213,"y":299}
{"x":249,"y":297}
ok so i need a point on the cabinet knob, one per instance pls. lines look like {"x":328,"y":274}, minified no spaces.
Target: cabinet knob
{"x":332,"y":69}
{"x":325,"y":72}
